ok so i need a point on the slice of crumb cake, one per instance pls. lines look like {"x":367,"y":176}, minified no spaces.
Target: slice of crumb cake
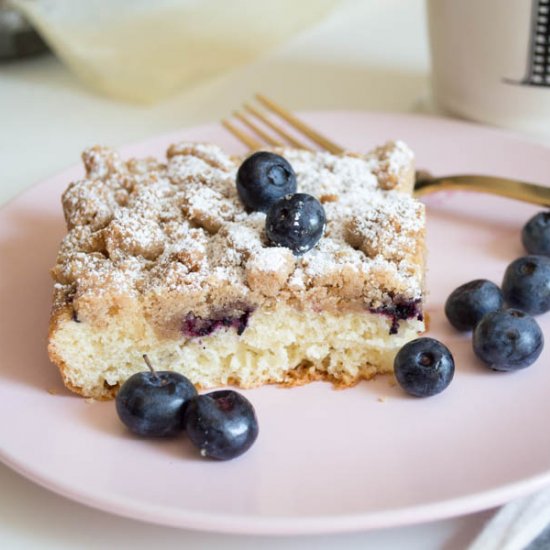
{"x":162,"y":258}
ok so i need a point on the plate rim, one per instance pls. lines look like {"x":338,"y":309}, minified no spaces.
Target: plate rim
{"x":287,"y":525}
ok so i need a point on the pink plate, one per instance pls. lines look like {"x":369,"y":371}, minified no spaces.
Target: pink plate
{"x":325,"y":460}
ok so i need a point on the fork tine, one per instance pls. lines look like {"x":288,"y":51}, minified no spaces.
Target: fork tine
{"x":316,"y":137}
{"x":268,"y":122}
{"x":243,"y":137}
{"x":259,"y":131}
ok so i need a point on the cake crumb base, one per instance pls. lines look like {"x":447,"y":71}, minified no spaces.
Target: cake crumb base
{"x":280,"y":345}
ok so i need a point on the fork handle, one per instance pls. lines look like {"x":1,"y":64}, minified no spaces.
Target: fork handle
{"x":513,"y":189}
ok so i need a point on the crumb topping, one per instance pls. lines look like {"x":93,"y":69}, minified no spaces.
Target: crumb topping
{"x":175,"y":235}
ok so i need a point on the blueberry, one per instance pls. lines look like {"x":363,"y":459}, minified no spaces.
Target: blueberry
{"x":424,"y":367}
{"x":152,"y":403}
{"x":468,"y":303}
{"x":296,"y":221}
{"x":264,"y":178}
{"x":526,"y":284}
{"x":508,"y":340}
{"x":195,"y":327}
{"x":535,"y":234}
{"x":221,"y":424}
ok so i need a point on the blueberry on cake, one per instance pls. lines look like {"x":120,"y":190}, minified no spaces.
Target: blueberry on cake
{"x":285,"y":267}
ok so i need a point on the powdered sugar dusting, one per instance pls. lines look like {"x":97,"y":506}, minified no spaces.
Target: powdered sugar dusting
{"x":176,"y":233}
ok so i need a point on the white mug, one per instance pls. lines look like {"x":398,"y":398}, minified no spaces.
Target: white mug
{"x":491,"y":61}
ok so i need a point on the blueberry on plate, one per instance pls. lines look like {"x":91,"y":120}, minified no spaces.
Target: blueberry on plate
{"x":296,"y":222}
{"x":221,"y":424}
{"x":508,"y":340}
{"x":152,"y":403}
{"x":424,"y":367}
{"x":535,"y":234}
{"x":526,"y":284}
{"x":264,"y":178}
{"x":468,"y":303}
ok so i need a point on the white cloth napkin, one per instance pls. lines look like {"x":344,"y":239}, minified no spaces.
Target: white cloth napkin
{"x":141,"y":50}
{"x":517,"y":524}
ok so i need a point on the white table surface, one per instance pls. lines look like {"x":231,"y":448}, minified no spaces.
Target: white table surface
{"x":369,"y":55}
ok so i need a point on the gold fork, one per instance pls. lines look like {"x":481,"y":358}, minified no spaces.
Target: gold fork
{"x":258,"y":121}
